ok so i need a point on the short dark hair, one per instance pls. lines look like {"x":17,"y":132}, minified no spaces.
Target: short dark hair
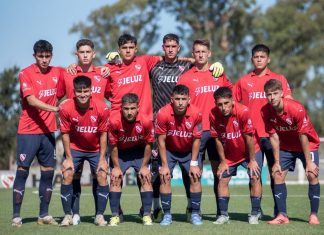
{"x":272,"y":84}
{"x":42,"y":46}
{"x":223,"y":92}
{"x":125,"y":38}
{"x":180,"y":90}
{"x":260,"y":47}
{"x":171,"y":36}
{"x":203,"y":42}
{"x":81,"y":82}
{"x":84,"y":42}
{"x":130,"y":98}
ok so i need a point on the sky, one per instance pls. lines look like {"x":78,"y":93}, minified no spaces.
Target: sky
{"x":24,"y":22}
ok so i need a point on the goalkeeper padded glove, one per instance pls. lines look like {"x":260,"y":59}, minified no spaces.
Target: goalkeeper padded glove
{"x":113,"y":58}
{"x":217,"y":69}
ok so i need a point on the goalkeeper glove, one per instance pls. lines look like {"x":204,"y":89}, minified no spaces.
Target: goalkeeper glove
{"x":113,"y":58}
{"x":217,"y":69}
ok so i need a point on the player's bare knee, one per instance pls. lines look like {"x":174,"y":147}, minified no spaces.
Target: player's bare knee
{"x":102,"y":178}
{"x":312,"y":178}
{"x":68,"y":176}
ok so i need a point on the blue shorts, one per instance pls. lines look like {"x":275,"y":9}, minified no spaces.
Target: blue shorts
{"x":208,"y":143}
{"x":288,"y":159}
{"x":233,"y":169}
{"x":132,"y":157}
{"x":40,"y":145}
{"x":182,"y":158}
{"x":79,"y":158}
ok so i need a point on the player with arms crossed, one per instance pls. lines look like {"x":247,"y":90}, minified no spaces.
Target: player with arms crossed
{"x":131,"y":136}
{"x":84,"y":125}
{"x":179,"y":128}
{"x":35,"y":136}
{"x":234,"y":134}
{"x":292,"y":136}
{"x":249,"y":91}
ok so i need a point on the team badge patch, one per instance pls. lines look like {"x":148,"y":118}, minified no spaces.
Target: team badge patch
{"x":138,"y":129}
{"x":235,"y":122}
{"x":7,"y":180}
{"x":22,"y":157}
{"x":54,"y":79}
{"x":97,"y":78}
{"x":289,"y":121}
{"x":138,"y":67}
{"x":93,"y":118}
{"x":188,"y":125}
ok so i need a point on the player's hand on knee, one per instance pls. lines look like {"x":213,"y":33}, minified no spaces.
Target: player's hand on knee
{"x":276,"y":169}
{"x":145,"y":175}
{"x":165,"y":174}
{"x":116,"y":175}
{"x":195,"y":173}
{"x":67,"y":165}
{"x":221,"y":169}
{"x":216,"y":69}
{"x":102,"y":166}
{"x":311,"y":167}
{"x":253,"y":168}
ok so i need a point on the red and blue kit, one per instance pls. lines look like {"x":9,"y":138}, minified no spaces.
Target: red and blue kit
{"x":202,"y":85}
{"x":98,"y":83}
{"x":230,"y":131}
{"x":127,"y":135}
{"x":289,"y":125}
{"x":132,"y":78}
{"x":180,"y":131}
{"x":44,"y":87}
{"x":84,"y":127}
{"x":249,"y":90}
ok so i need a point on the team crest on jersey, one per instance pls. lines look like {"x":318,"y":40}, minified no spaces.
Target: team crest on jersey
{"x":138,"y":67}
{"x":188,"y":125}
{"x":93,"y":118}
{"x":39,"y":82}
{"x":55,"y":79}
{"x":235,"y":122}
{"x":289,"y":121}
{"x":97,"y":78}
{"x":181,"y":68}
{"x":22,"y":157}
{"x":138,"y":129}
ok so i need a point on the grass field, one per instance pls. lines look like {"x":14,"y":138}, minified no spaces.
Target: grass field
{"x":239,"y":207}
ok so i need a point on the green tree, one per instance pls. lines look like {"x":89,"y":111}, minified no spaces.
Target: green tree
{"x":9,"y":114}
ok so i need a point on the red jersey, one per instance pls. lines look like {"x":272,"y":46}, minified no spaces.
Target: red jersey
{"x":98,"y":83}
{"x":44,"y":87}
{"x":84,"y":127}
{"x":132,"y":78}
{"x":180,"y":131}
{"x":202,"y":85}
{"x":289,"y":125}
{"x":128,"y":135}
{"x":249,"y":90}
{"x":230,"y":131}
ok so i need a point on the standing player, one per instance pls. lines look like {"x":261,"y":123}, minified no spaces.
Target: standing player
{"x":84,"y":124}
{"x":234,"y":134}
{"x":35,"y":137}
{"x":85,"y":53}
{"x":131,"y":135}
{"x":202,"y":85}
{"x":288,"y":124}
{"x":178,"y":128}
{"x":249,"y":91}
{"x":164,"y":77}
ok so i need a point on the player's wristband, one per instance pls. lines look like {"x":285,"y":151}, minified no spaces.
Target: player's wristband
{"x":193,"y":163}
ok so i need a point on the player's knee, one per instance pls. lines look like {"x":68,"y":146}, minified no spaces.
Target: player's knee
{"x":102,"y":178}
{"x":68,"y":176}
{"x":312,"y":178}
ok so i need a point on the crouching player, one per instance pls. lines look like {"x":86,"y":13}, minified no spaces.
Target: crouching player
{"x":232,"y":128}
{"x":288,"y":124}
{"x":131,"y":136}
{"x":179,"y":128}
{"x":84,"y":125}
